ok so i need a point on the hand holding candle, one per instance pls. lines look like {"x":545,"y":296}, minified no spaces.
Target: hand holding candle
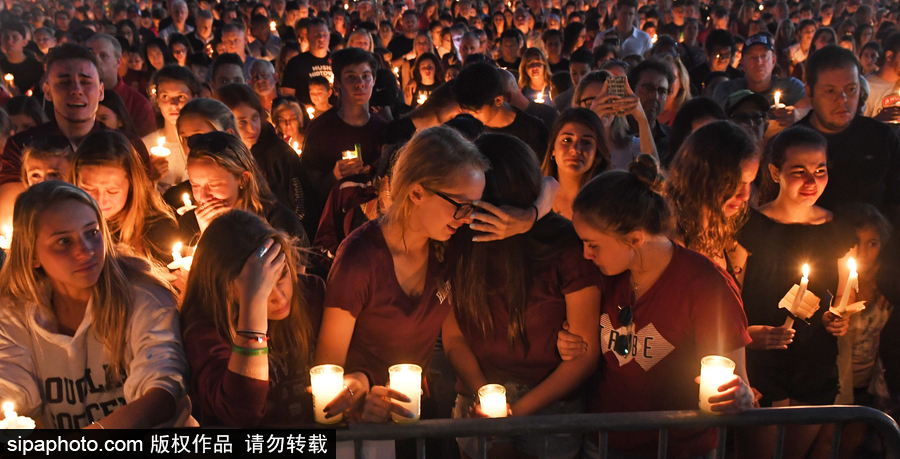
{"x":12,"y":420}
{"x":843,"y":310}
{"x":492,"y":398}
{"x":799,"y":302}
{"x":778,"y":103}
{"x":407,"y":379}
{"x":714,"y":372}
{"x":798,"y":298}
{"x":327,"y":382}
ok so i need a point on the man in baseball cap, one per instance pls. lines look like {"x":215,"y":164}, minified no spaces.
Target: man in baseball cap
{"x":749,"y":110}
{"x":759,"y":60}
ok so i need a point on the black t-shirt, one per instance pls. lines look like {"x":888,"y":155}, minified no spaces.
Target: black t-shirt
{"x":400,"y":46}
{"x":544,"y":112}
{"x":863,"y":166}
{"x":301,"y":68}
{"x":386,"y":90}
{"x":561,"y":66}
{"x":26,"y":73}
{"x":511,"y":66}
{"x":280,"y":165}
{"x":527,"y":129}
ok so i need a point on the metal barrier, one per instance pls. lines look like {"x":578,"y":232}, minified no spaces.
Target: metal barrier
{"x":604,"y":423}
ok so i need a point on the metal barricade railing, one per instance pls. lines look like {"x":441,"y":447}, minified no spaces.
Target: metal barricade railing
{"x":655,"y":420}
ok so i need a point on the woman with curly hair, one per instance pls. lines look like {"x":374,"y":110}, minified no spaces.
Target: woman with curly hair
{"x":709,"y":187}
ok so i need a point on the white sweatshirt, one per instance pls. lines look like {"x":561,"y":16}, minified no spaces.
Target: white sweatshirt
{"x":62,"y":380}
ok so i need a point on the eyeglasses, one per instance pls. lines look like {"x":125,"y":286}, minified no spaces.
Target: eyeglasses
{"x":623,"y":344}
{"x":661,"y":91}
{"x":586,"y":102}
{"x":723,"y":57}
{"x":463,"y":210}
{"x":750,"y":119}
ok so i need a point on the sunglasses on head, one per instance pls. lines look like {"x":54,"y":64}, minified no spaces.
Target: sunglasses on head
{"x":626,"y":319}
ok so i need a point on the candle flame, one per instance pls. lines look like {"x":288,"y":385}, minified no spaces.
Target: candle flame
{"x":177,"y":247}
{"x":655,"y":37}
{"x":311,"y":112}
{"x":8,"y":406}
{"x":805,"y":270}
{"x":422,"y":99}
{"x":852,"y":265}
{"x":296,"y":145}
{"x":760,"y":7}
{"x":272,"y":26}
{"x":9,"y":77}
{"x":161,"y":141}
{"x":540,"y":98}
{"x":186,"y":199}
{"x":346,"y":6}
{"x":29,"y":93}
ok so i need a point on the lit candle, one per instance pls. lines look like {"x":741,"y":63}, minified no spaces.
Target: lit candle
{"x":176,"y":251}
{"x":9,"y":78}
{"x":180,"y":262}
{"x":159,"y":149}
{"x":397,"y":72}
{"x":760,"y":6}
{"x":540,"y":98}
{"x":13,"y":420}
{"x":714,"y":371}
{"x":778,"y":103}
{"x":653,"y":40}
{"x":346,"y":6}
{"x":851,"y":284}
{"x":327,"y":382}
{"x":493,"y":400}
{"x":273,"y":26}
{"x":351,"y":154}
{"x":188,"y":205}
{"x":5,"y":238}
{"x":296,"y":147}
{"x":422,"y":98}
{"x":29,"y":93}
{"x":311,"y":111}
{"x":798,"y":300}
{"x":407,"y":379}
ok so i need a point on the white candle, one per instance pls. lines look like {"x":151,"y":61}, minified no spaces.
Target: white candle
{"x":422,"y":98}
{"x":714,"y":371}
{"x":540,"y":98}
{"x":778,"y":103}
{"x":273,"y":26}
{"x":851,"y":284}
{"x":311,"y":111}
{"x":798,"y":300}
{"x":159,"y":149}
{"x":5,"y":238}
{"x":12,"y":418}
{"x":407,"y":379}
{"x":327,"y":382}
{"x":180,"y":262}
{"x":9,"y":78}
{"x":188,"y":205}
{"x":296,"y":147}
{"x":492,"y":398}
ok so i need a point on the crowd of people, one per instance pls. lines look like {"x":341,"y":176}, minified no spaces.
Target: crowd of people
{"x":578,"y":200}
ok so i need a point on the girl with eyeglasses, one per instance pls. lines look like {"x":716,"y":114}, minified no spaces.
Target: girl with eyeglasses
{"x":180,"y":47}
{"x":107,"y":168}
{"x":664,"y":307}
{"x":798,"y":365}
{"x":75,"y":308}
{"x":510,"y":299}
{"x":249,"y":317}
{"x":534,"y":76}
{"x":576,"y":154}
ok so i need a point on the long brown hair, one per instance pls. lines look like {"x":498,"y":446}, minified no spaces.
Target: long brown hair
{"x":143,"y":206}
{"x":514,"y":179}
{"x":704,"y":174}
{"x":218,"y":260}
{"x":112,"y":296}
{"x":587,"y":118}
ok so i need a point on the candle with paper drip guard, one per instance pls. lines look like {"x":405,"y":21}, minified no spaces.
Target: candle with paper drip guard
{"x":180,"y":262}
{"x":311,"y":111}
{"x":13,"y":420}
{"x":296,"y":147}
{"x":715,"y":370}
{"x":188,"y":205}
{"x":799,"y":302}
{"x":159,"y":149}
{"x":778,"y":103}
{"x":843,"y":310}
{"x":327,"y":382}
{"x":422,"y":98}
{"x":5,"y":238}
{"x":492,"y":398}
{"x":407,"y":379}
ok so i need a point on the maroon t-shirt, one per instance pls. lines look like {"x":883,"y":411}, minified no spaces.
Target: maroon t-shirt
{"x":544,"y":317}
{"x":693,"y":310}
{"x":391,"y":327}
{"x":227,"y":398}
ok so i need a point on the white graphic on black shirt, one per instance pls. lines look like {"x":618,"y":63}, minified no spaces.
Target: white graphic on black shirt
{"x":648,"y":346}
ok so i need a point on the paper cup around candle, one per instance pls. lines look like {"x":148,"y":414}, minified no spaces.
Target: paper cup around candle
{"x":492,"y":398}
{"x":715,"y":370}
{"x":407,"y":379}
{"x":349,"y":154}
{"x":327,"y":382}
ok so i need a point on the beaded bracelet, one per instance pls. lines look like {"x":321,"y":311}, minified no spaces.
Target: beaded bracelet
{"x":249,"y":352}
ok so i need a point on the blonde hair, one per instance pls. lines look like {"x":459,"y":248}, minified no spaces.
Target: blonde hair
{"x":217,"y":114}
{"x":531,"y":55}
{"x":208,"y":297}
{"x":684,"y":81}
{"x":143,"y":205}
{"x":429,"y":159}
{"x":229,"y":152}
{"x":361,"y":31}
{"x":111,"y":297}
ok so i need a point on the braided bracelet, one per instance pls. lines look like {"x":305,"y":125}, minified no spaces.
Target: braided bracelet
{"x":249,"y":352}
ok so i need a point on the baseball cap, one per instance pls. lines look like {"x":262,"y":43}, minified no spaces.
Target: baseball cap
{"x":763,"y":38}
{"x":739,"y":97}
